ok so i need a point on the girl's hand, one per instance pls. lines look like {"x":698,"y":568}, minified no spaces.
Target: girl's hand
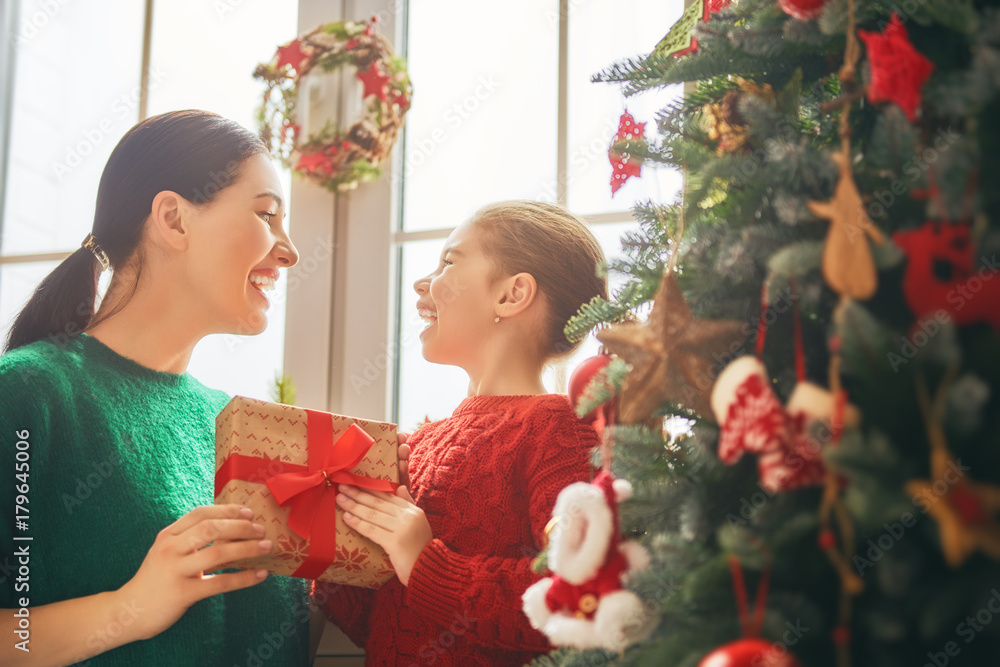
{"x":173,"y":576}
{"x":404,"y":459}
{"x":391,"y":521}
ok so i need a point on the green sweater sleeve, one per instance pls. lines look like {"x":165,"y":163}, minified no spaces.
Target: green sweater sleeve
{"x":23,"y":423}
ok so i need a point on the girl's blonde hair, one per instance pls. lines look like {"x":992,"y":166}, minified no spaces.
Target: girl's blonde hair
{"x":556,"y":248}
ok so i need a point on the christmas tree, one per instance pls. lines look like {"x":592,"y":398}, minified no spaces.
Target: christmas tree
{"x":825,"y":309}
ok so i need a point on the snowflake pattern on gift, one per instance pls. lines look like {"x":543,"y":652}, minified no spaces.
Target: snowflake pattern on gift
{"x":291,"y":548}
{"x":351,"y":560}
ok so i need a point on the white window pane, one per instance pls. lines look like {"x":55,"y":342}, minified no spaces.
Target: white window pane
{"x":76,"y":92}
{"x":425,"y":389}
{"x":17,"y":282}
{"x":483,"y":123}
{"x":245,"y":365}
{"x":601,"y":33}
{"x":203,"y":57}
{"x":204,"y":54}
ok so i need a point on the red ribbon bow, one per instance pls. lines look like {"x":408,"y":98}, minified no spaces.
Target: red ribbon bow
{"x":310,"y":491}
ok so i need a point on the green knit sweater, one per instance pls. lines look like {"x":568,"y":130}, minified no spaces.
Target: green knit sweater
{"x":117,"y":452}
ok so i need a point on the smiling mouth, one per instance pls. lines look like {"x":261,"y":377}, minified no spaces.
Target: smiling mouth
{"x":262,"y":283}
{"x":428,"y":316}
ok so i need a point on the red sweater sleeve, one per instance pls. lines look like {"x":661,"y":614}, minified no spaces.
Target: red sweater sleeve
{"x":349,"y":607}
{"x":480,"y":596}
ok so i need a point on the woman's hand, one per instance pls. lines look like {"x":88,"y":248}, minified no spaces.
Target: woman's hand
{"x":393,"y":522}
{"x":173,"y":576}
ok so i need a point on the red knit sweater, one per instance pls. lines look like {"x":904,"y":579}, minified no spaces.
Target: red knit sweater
{"x":487,"y":479}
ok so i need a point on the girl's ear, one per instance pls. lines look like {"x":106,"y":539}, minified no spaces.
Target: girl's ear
{"x":168,"y":220}
{"x":517,"y":295}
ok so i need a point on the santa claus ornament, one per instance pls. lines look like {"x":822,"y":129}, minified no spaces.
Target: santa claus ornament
{"x":584,"y":604}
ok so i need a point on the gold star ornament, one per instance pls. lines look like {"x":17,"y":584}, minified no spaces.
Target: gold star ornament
{"x":672,"y":355}
{"x":964,"y":510}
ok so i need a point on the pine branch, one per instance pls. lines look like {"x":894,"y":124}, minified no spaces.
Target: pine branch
{"x":283,"y":390}
{"x":601,"y":311}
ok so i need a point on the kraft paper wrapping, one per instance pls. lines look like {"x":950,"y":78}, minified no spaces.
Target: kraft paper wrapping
{"x":277,"y":432}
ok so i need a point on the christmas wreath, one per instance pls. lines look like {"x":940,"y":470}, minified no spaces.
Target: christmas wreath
{"x":332,"y":157}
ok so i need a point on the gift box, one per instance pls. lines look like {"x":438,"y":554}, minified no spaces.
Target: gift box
{"x":284,"y":463}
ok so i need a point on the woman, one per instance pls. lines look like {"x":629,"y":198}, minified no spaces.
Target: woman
{"x":107,"y":458}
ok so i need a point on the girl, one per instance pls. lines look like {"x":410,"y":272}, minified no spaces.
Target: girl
{"x":485,"y":480}
{"x":113,"y":440}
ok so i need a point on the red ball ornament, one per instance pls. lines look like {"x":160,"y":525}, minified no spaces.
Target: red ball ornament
{"x":580,"y":380}
{"x":750,"y":653}
{"x":806,"y":10}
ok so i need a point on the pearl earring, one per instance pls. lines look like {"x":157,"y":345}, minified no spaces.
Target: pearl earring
{"x":497,"y":320}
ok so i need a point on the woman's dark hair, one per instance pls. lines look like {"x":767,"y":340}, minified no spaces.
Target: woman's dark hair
{"x":193,"y":153}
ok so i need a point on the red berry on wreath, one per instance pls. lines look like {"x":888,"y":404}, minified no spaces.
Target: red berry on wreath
{"x":805,"y":10}
{"x":750,"y":653}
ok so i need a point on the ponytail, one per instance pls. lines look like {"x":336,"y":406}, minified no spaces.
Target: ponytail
{"x":61,"y":306}
{"x":195,"y":154}
{"x":555,"y":247}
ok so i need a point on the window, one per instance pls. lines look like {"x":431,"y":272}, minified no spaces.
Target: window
{"x":54,"y":158}
{"x":73,"y":100}
{"x":493,"y":124}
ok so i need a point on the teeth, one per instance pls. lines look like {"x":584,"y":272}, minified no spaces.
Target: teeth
{"x":265,"y":283}
{"x":429,"y":316}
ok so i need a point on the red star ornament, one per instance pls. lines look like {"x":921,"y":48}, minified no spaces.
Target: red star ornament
{"x":291,"y":54}
{"x":899,"y":71}
{"x":624,"y":165}
{"x":375,"y":82}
